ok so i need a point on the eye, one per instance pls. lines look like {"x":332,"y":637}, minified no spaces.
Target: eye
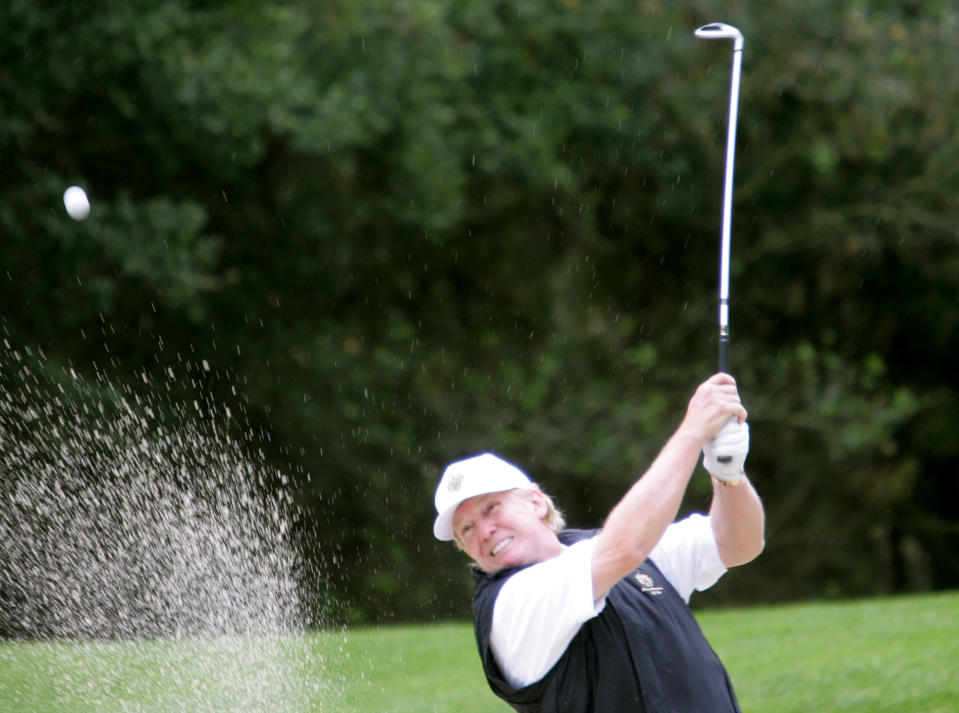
{"x":491,"y":507}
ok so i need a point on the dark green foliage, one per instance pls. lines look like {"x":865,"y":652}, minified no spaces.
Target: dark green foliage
{"x":402,"y":232}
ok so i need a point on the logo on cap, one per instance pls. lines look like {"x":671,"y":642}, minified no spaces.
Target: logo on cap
{"x":456,"y":482}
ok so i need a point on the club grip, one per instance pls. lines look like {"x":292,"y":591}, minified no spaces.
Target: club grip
{"x":724,"y":353}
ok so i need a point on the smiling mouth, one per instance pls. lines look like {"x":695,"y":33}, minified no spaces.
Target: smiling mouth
{"x":500,"y":545}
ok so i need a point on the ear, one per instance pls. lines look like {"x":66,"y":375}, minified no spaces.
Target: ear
{"x":538,"y":502}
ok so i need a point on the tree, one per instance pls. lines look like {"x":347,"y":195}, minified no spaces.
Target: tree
{"x":390,"y":234}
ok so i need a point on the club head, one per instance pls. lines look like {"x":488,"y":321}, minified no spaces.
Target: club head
{"x":721,"y":31}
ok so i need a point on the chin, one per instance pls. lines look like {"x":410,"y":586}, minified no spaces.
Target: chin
{"x":511,"y":561}
{"x":494,"y":567}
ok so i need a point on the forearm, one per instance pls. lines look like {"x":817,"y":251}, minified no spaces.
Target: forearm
{"x":738,"y":522}
{"x":638,"y":521}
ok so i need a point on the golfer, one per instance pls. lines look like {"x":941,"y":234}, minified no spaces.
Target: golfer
{"x":570,"y":620}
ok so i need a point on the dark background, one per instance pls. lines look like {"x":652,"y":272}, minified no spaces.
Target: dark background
{"x":402,"y":232}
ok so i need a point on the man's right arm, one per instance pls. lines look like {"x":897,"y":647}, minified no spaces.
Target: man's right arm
{"x":538,"y":612}
{"x":638,"y":521}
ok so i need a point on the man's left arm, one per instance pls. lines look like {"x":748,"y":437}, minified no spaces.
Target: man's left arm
{"x":738,"y":521}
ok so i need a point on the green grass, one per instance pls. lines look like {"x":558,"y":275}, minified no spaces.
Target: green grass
{"x":893,"y":655}
{"x":897,"y":655}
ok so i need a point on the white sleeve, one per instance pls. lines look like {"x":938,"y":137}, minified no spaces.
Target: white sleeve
{"x":688,"y":556}
{"x":539,"y":610}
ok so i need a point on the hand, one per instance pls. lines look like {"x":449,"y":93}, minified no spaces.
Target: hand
{"x":715,"y":402}
{"x":724,"y":455}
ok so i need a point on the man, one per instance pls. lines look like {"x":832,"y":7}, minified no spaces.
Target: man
{"x":569,"y":621}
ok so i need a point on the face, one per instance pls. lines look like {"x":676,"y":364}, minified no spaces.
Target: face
{"x":505,"y":529}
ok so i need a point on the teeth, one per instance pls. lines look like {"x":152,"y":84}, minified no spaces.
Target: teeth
{"x":499,"y":547}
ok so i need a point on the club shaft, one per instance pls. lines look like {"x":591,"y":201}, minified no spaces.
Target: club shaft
{"x":727,"y":211}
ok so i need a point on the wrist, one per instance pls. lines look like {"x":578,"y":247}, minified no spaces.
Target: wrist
{"x":691,"y":433}
{"x":722,"y":483}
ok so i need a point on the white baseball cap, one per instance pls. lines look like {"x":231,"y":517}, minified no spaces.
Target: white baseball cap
{"x":467,"y":478}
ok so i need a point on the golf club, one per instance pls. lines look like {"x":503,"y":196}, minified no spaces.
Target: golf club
{"x":720,"y":31}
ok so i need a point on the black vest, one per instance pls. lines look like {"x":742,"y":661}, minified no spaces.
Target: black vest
{"x":644,"y":653}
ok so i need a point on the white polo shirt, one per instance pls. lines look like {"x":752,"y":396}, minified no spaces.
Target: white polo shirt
{"x":540,"y":609}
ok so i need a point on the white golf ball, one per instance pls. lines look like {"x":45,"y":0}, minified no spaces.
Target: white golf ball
{"x":76,"y":202}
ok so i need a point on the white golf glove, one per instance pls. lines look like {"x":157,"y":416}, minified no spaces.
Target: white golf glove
{"x":724,"y":455}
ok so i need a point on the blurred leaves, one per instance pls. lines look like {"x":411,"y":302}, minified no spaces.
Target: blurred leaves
{"x":413,"y":230}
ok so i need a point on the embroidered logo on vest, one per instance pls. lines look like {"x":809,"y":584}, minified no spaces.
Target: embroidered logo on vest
{"x":647,"y":585}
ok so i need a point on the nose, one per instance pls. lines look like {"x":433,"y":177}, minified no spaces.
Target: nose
{"x":486,"y":528}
